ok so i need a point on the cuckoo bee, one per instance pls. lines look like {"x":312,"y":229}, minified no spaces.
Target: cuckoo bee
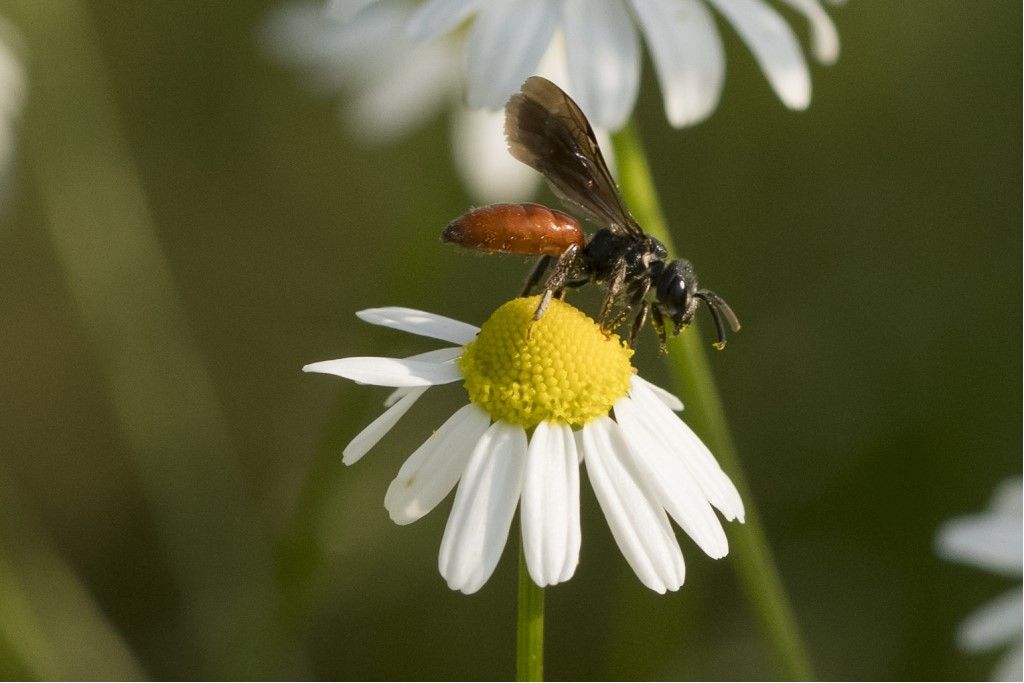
{"x":547,"y":131}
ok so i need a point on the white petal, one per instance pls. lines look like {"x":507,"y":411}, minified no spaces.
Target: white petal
{"x":1008,"y":498}
{"x":774,"y":46}
{"x":1011,"y":665}
{"x":396,"y":395}
{"x":436,"y":17}
{"x":993,"y":624}
{"x":345,"y":10}
{"x":421,"y":323}
{"x":687,"y":446}
{"x":388,"y":372}
{"x":553,"y":65}
{"x":12,"y":73}
{"x":639,"y":525}
{"x":444,"y":355}
{"x":603,"y":52}
{"x":991,"y":540}
{"x":504,"y":47}
{"x":484,"y":506}
{"x":435,"y":356}
{"x":992,"y":544}
{"x":578,"y":438}
{"x":824,"y":38}
{"x":431,"y":471}
{"x":375,"y":431}
{"x":687,"y":54}
{"x":670,"y":480}
{"x":669,"y":399}
{"x":605,"y":142}
{"x":401,"y":89}
{"x":550,"y":512}
{"x":489,"y":173}
{"x":334,"y":52}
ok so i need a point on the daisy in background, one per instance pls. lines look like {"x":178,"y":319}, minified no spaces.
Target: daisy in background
{"x":396,"y":85}
{"x":543,"y":398}
{"x":506,"y":40}
{"x":993,"y":541}
{"x":400,"y":63}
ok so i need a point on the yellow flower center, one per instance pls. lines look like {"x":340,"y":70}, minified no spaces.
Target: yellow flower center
{"x":562,"y":368}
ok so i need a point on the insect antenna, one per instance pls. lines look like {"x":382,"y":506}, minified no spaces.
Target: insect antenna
{"x":719,"y":309}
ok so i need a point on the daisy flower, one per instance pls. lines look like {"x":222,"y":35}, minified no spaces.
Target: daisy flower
{"x":544,"y":397}
{"x":507,"y":39}
{"x":400,"y":64}
{"x":992,"y":541}
{"x":599,"y":41}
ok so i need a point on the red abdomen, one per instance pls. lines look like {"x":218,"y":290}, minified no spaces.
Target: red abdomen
{"x":516,"y":229}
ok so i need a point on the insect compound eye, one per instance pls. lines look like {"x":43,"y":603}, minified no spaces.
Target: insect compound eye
{"x":679,"y":288}
{"x":673,"y":293}
{"x":680,"y":297}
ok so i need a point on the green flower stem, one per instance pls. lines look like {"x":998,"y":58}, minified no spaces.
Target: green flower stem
{"x":691,"y":375}
{"x":530,"y":625}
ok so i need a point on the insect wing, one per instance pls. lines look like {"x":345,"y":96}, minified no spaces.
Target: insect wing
{"x":547,"y":131}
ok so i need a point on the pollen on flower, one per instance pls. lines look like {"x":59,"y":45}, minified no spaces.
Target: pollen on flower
{"x":567,"y":370}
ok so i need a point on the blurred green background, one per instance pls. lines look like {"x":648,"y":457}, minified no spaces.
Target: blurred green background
{"x":871,"y":246}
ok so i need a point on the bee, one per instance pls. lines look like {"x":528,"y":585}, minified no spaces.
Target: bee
{"x":546,"y":130}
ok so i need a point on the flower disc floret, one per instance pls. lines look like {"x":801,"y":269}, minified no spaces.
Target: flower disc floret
{"x":561,"y":368}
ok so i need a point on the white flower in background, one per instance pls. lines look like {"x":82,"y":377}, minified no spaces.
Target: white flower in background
{"x":402,"y":63}
{"x":506,"y":40}
{"x":396,"y":85}
{"x":12,"y":98}
{"x":994,"y":541}
{"x":540,"y":400}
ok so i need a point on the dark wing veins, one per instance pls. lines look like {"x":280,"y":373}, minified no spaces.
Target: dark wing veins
{"x":546,"y":130}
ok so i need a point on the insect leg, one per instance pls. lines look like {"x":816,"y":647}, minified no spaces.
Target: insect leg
{"x":556,"y":280}
{"x":636,"y":298}
{"x":638,"y":323}
{"x":658,"y":320}
{"x":536,"y":273}
{"x":614,"y":287}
